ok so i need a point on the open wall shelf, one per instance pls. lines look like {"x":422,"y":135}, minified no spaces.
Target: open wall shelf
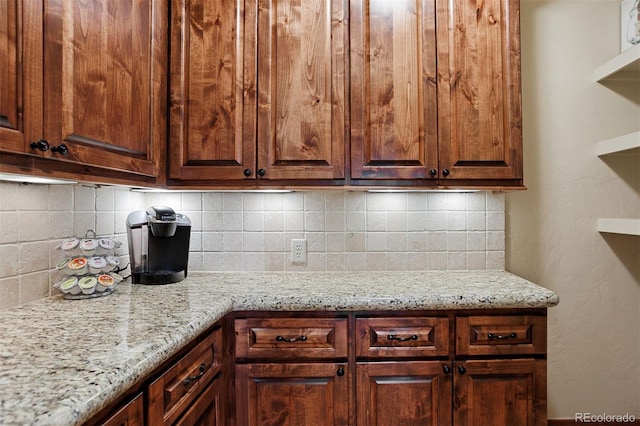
{"x":622,"y":145}
{"x":619,"y":226}
{"x":625,"y":66}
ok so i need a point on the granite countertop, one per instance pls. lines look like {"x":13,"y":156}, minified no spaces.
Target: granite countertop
{"x":61,"y":361}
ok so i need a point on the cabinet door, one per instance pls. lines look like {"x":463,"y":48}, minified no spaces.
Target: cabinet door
{"x":132,"y":414}
{"x":393,"y":89}
{"x":500,"y":392}
{"x":105,"y":82}
{"x":301,"y":88}
{"x":20,"y":74}
{"x":213,"y":90}
{"x":403,"y":393}
{"x":208,"y":409}
{"x":292,"y":394}
{"x":479,"y":107}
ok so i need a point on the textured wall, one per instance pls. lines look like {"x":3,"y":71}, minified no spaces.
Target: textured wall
{"x":594,"y":333}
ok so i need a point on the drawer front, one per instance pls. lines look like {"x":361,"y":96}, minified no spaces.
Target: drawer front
{"x":501,"y":335}
{"x":172,"y":393}
{"x":402,"y":337}
{"x":291,"y":338}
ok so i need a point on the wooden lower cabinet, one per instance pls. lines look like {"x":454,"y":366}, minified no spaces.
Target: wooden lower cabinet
{"x":439,"y":368}
{"x":403,"y":393}
{"x":130,"y":414}
{"x":289,"y":394}
{"x":500,"y":392}
{"x":208,"y":409}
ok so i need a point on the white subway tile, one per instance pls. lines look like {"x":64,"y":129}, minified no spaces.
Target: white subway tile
{"x":335,"y":221}
{"x":253,"y":221}
{"x":356,"y":221}
{"x":9,"y":266}
{"x":34,"y":226}
{"x":33,"y":197}
{"x":314,"y":221}
{"x":61,"y":198}
{"x":105,"y":199}
{"x":9,"y":227}
{"x":84,"y":198}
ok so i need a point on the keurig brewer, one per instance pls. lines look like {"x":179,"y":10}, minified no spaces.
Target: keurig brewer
{"x":158,"y":245}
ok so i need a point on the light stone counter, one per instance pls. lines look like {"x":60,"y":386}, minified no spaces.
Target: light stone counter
{"x":61,"y":361}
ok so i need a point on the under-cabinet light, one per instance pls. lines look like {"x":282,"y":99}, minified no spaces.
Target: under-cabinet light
{"x":10,"y":177}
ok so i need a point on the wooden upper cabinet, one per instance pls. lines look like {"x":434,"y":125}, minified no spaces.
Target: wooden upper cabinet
{"x":105,"y":82}
{"x":479,"y":106}
{"x":20,"y":74}
{"x":393,"y":89}
{"x":265,"y":102}
{"x":213,"y":90}
{"x":301,"y":88}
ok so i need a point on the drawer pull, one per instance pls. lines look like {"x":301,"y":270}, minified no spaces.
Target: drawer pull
{"x":402,"y":339}
{"x":188,"y":380}
{"x":492,"y":336}
{"x":293,"y":339}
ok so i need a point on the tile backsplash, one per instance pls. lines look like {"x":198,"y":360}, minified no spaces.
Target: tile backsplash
{"x":252,"y":231}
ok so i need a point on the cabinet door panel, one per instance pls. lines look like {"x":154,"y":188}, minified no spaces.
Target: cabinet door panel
{"x":105,"y":82}
{"x":20,"y":74}
{"x":212,"y":90}
{"x":403,"y":393}
{"x":301,"y":82}
{"x":292,"y":394}
{"x":501,"y":393}
{"x":208,"y":409}
{"x":479,"y":90}
{"x":393,"y":89}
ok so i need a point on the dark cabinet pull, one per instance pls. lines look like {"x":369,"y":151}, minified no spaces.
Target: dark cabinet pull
{"x":340,"y":372}
{"x":402,"y":339}
{"x":262,"y":172}
{"x":247,"y":172}
{"x":40,"y":145}
{"x":433,"y":172}
{"x":61,"y":149}
{"x":293,"y":339}
{"x":461,"y":369}
{"x":492,"y":336}
{"x":446,"y":369}
{"x":188,"y":380}
{"x":445,"y":172}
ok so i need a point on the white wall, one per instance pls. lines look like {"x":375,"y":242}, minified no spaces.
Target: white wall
{"x":594,"y":333}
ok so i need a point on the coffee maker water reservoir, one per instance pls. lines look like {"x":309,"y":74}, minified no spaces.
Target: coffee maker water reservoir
{"x":158,"y":245}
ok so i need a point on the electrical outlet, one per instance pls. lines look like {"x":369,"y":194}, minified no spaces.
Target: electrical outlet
{"x":298,"y":252}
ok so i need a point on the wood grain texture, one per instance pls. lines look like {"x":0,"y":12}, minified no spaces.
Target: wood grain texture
{"x":431,"y":337}
{"x":393,"y":91}
{"x":403,"y":393}
{"x":292,"y":394}
{"x":131,"y":414}
{"x":300,"y":338}
{"x":529,"y":335}
{"x":500,"y":392}
{"x":480,"y":129}
{"x":20,"y":75}
{"x":105,"y":82}
{"x":301,"y":82}
{"x":213,"y":90}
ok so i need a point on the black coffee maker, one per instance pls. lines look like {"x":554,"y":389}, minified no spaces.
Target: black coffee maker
{"x":158,"y":245}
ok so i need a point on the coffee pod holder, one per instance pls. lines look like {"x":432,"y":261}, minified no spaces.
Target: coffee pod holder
{"x":90,"y":266}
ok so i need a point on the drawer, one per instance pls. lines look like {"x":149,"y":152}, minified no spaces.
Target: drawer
{"x":174,"y":391}
{"x":501,"y":335}
{"x":402,"y":337}
{"x":291,"y":338}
